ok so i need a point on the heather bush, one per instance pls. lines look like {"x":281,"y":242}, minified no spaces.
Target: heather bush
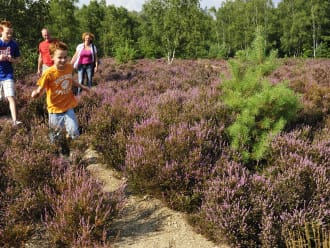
{"x":106,"y":129}
{"x":86,"y":107}
{"x":144,"y":157}
{"x":164,"y":127}
{"x":265,"y":208}
{"x":174,"y":161}
{"x":6,"y":134}
{"x":28,"y":165}
{"x":80,"y":212}
{"x":298,"y":196}
{"x":309,"y":78}
{"x":169,"y":106}
{"x":3,"y":178}
{"x":29,"y":158}
{"x":22,"y":211}
{"x":230,"y":207}
{"x":300,"y":142}
{"x":111,"y":124}
{"x":4,"y":110}
{"x":34,"y":113}
{"x":203,"y":104}
{"x":299,"y":191}
{"x":14,"y":234}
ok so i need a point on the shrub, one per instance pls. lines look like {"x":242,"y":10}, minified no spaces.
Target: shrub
{"x":260,"y":110}
{"x":175,"y":162}
{"x":84,"y":111}
{"x":80,"y":211}
{"x":218,"y":52}
{"x":229,"y":205}
{"x":144,"y":157}
{"x":113,"y":122}
{"x":169,"y":106}
{"x":108,"y":135}
{"x":299,"y":191}
{"x":125,"y":53}
{"x":27,"y":66}
{"x":29,"y":158}
{"x":310,"y":79}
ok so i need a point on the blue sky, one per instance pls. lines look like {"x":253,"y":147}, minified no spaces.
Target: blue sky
{"x":137,"y":4}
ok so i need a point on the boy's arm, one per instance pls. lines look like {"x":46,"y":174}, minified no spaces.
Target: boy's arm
{"x":37,"y":92}
{"x":84,"y":87}
{"x":73,"y":59}
{"x":39,"y":64}
{"x":9,"y":58}
{"x":14,"y":60}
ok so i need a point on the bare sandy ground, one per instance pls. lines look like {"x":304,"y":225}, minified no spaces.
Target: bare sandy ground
{"x":146,"y":222}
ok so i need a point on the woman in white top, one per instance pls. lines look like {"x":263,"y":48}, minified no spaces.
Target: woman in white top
{"x":85,"y":59}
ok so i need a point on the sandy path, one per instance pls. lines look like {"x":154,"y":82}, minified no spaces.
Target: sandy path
{"x":146,"y":222}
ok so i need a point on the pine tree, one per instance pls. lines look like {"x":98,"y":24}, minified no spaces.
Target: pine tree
{"x":261,"y":110}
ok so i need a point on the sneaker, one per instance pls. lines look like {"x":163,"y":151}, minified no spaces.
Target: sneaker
{"x":17,"y":123}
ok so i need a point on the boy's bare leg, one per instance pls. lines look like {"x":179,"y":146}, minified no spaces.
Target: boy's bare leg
{"x":12,"y":107}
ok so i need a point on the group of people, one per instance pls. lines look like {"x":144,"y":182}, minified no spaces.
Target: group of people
{"x":56,"y":76}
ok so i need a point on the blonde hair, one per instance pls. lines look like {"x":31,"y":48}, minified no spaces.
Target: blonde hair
{"x":88,"y":34}
{"x":57,"y":45}
{"x":6,"y":24}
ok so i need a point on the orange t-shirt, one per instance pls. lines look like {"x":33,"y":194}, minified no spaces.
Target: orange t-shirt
{"x":58,"y":86}
{"x":44,"y":51}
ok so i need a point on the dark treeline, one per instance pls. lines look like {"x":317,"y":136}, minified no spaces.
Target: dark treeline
{"x":175,"y":28}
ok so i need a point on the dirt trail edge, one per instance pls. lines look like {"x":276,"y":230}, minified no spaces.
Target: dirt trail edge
{"x":146,"y":222}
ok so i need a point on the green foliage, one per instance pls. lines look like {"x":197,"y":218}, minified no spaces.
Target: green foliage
{"x":175,"y":28}
{"x":28,"y":64}
{"x":236,"y":21}
{"x":63,"y":23}
{"x":261,"y":110}
{"x":125,"y":54}
{"x":323,"y":50}
{"x":218,"y":52}
{"x":172,"y":28}
{"x":118,"y":27}
{"x":300,"y":26}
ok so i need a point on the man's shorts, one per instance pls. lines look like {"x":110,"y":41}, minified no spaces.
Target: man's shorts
{"x":8,"y":87}
{"x":44,"y":68}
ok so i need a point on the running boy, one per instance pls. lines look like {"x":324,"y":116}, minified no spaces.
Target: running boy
{"x":9,"y":54}
{"x":57,"y":81}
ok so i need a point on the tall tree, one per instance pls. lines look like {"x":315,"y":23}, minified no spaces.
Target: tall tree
{"x":89,"y":18}
{"x":175,"y":26}
{"x":304,"y":26}
{"x":22,"y":13}
{"x":237,"y":20}
{"x":63,"y":22}
{"x":119,"y":28}
{"x":296,"y":26}
{"x":320,"y":15}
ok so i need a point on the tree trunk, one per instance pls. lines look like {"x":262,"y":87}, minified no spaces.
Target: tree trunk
{"x":170,"y":56}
